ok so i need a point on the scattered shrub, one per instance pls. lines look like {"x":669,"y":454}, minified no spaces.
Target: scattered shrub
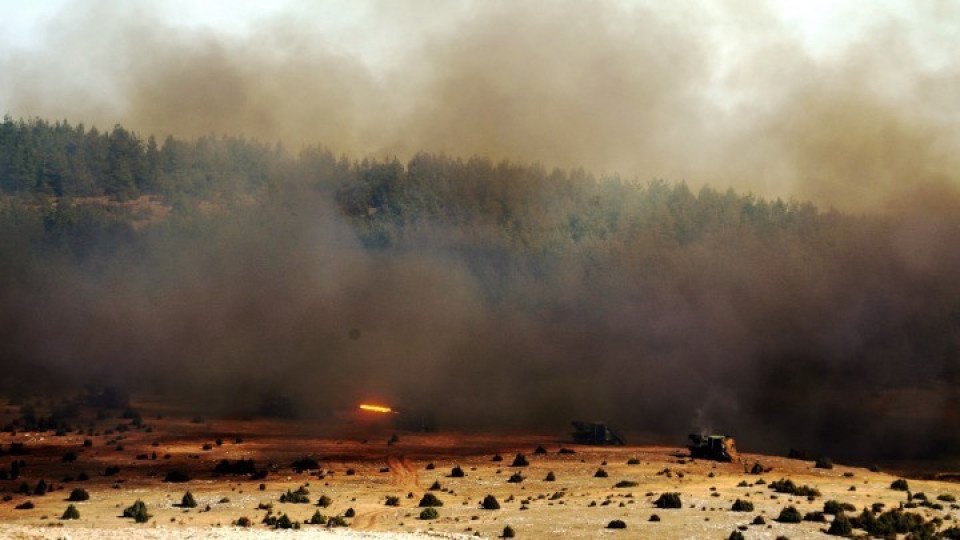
{"x":490,"y":503}
{"x":515,"y":478}
{"x":435,"y":486}
{"x":457,"y":472}
{"x":284,"y":522}
{"x":565,"y":451}
{"x":78,"y":494}
{"x":71,"y":513}
{"x":817,"y":517}
{"x":669,"y":500}
{"x":946,"y":497}
{"x":633,"y":461}
{"x":41,"y":488}
{"x":336,"y":521}
{"x":508,"y":532}
{"x":498,"y":457}
{"x":835,"y":507}
{"x":28,"y":505}
{"x":735,"y":535}
{"x":600,"y":473}
{"x":429,"y":513}
{"x":69,"y":457}
{"x":787,"y":486}
{"x":318,"y":519}
{"x":742,"y":506}
{"x":324,"y":501}
{"x":759,"y":521}
{"x":300,"y":496}
{"x":823,"y":463}
{"x":790,"y":515}
{"x":540,"y":450}
{"x":188,"y":501}
{"x":242,"y":466}
{"x":112,"y":470}
{"x":617,"y":524}
{"x":841,"y":525}
{"x":393,"y":500}
{"x":654,"y":517}
{"x":520,"y":461}
{"x":626,"y":484}
{"x":429,"y":500}
{"x":350,"y":513}
{"x":137,"y":511}
{"x":242,"y":521}
{"x":550,"y":477}
{"x":900,"y":485}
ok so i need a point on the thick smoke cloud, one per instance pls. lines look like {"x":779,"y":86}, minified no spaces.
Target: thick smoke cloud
{"x":723,"y":94}
{"x":791,"y":344}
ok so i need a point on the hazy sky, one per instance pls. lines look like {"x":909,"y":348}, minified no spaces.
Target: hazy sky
{"x":843,"y":102}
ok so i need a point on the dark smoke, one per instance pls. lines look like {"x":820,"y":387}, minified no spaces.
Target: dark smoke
{"x":833,"y":343}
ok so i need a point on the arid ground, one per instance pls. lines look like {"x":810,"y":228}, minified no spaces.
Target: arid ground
{"x":358,"y":467}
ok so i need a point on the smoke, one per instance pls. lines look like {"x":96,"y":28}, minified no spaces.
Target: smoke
{"x":732,"y":94}
{"x":784,"y":342}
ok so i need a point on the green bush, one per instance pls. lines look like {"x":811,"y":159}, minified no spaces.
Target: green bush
{"x":300,"y":496}
{"x":841,"y":525}
{"x":626,"y":484}
{"x":633,"y":461}
{"x":490,"y":503}
{"x":78,"y":495}
{"x":336,"y":521}
{"x":284,"y":522}
{"x":71,"y":513}
{"x":900,"y":485}
{"x":787,"y":486}
{"x":457,"y":472}
{"x":515,"y":478}
{"x":669,"y":500}
{"x":835,"y":507}
{"x":435,"y":486}
{"x":823,"y":463}
{"x":520,"y":461}
{"x":393,"y":500}
{"x":550,"y":477}
{"x":324,"y":501}
{"x":429,"y":513}
{"x":350,"y":513}
{"x":188,"y":501}
{"x":430,"y":500}
{"x":317,"y":518}
{"x":742,"y":506}
{"x":508,"y":532}
{"x":735,"y":535}
{"x":617,"y":524}
{"x":137,"y":511}
{"x":790,"y":515}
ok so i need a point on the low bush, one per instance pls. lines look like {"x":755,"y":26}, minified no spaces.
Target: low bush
{"x":188,"y":501}
{"x":550,"y":477}
{"x":520,"y":461}
{"x":515,"y":478}
{"x":508,"y":532}
{"x":28,"y":505}
{"x":457,"y":472}
{"x":429,"y":513}
{"x":823,"y":463}
{"x":137,"y":511}
{"x":324,"y":501}
{"x":600,"y":473}
{"x":71,"y":513}
{"x":435,"y":486}
{"x":393,"y":500}
{"x":617,"y":524}
{"x":900,"y":485}
{"x":841,"y":525}
{"x":242,"y":466}
{"x":540,"y":450}
{"x":787,"y":486}
{"x":633,"y":461}
{"x":430,"y":500}
{"x":835,"y":507}
{"x":669,"y":500}
{"x":300,"y":496}
{"x":336,"y":521}
{"x":318,"y":519}
{"x":490,"y":503}
{"x":78,"y":495}
{"x":742,"y":506}
{"x":790,"y":515}
{"x":305,"y":464}
{"x":735,"y":535}
{"x":817,"y":517}
{"x":626,"y":484}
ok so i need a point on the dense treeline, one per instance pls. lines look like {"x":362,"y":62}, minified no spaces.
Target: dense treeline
{"x":447,"y":283}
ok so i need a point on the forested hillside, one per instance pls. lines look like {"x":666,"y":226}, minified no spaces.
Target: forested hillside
{"x":223,"y":270}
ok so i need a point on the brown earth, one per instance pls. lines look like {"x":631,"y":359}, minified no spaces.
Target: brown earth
{"x":577,"y":504}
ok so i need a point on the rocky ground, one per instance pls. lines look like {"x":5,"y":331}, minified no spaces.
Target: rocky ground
{"x":357,"y":469}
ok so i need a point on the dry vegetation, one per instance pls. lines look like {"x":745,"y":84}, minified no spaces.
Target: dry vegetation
{"x":394,"y":490}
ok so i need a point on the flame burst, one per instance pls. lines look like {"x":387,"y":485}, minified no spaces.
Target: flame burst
{"x":376,"y":408}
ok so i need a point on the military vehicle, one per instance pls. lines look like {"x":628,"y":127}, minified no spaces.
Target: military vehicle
{"x":715,"y":447}
{"x":595,"y":433}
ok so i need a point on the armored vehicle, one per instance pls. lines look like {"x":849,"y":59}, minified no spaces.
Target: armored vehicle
{"x":595,"y":433}
{"x":715,"y":447}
